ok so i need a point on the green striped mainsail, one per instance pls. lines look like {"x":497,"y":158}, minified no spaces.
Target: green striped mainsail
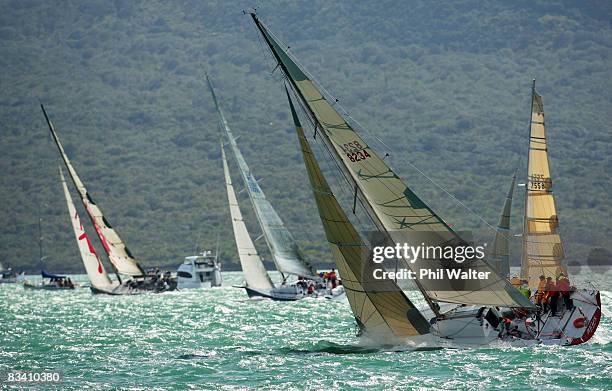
{"x":391,"y":204}
{"x":501,"y":253}
{"x":380,"y":307}
{"x":284,"y":249}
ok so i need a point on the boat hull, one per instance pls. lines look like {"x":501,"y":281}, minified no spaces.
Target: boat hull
{"x":472,"y":326}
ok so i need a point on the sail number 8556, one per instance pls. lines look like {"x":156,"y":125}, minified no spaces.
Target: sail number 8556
{"x":355,"y":151}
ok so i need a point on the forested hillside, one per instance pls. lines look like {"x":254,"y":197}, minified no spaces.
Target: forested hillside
{"x":446,"y":84}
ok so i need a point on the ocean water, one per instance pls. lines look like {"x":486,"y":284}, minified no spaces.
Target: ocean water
{"x":218,"y":339}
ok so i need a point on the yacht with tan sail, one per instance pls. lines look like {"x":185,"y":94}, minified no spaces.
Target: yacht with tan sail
{"x":457,"y":313}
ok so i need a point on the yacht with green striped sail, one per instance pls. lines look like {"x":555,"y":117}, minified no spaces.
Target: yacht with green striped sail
{"x":456,"y":314}
{"x":286,"y":254}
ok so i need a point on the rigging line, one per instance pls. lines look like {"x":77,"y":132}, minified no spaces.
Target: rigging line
{"x":336,"y":103}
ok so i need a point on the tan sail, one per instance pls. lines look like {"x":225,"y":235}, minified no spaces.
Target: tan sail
{"x":122,"y":260}
{"x":500,"y":254}
{"x":95,"y":270}
{"x":542,"y":248}
{"x":253,"y":268}
{"x":380,"y":307}
{"x":395,"y":208}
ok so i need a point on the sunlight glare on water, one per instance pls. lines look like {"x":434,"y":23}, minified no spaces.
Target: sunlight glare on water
{"x":218,"y":339}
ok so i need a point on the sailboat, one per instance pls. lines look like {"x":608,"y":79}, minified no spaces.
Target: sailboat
{"x":122,"y":261}
{"x":458,"y":314}
{"x":49,"y":281}
{"x":286,"y":254}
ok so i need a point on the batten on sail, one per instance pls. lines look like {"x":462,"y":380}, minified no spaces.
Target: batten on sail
{"x":253,"y":268}
{"x":542,"y":247}
{"x":121,"y":259}
{"x":392,"y":205}
{"x":501,"y":253}
{"x":284,"y":249}
{"x":380,"y":307}
{"x":95,"y":270}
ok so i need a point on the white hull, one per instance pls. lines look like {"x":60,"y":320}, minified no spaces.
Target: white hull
{"x":201,"y":271}
{"x":465,"y":329}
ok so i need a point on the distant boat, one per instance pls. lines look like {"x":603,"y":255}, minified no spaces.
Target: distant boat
{"x":8,"y":276}
{"x":200,"y":271}
{"x":51,"y":282}
{"x":285,"y":251}
{"x":483,"y":312}
{"x":122,"y":261}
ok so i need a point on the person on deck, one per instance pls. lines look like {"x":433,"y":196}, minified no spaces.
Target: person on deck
{"x":515,"y":281}
{"x":332,"y":278}
{"x":539,"y":295}
{"x":552,"y":295}
{"x":524,"y":289}
{"x":563,"y":286}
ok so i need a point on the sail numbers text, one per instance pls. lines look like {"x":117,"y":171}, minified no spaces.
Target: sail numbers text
{"x":355,"y":151}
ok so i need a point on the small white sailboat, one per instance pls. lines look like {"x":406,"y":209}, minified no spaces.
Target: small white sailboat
{"x":130,"y":275}
{"x":200,"y":271}
{"x":285,"y":251}
{"x":482,"y":313}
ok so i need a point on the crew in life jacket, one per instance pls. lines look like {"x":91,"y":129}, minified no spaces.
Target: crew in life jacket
{"x":539,"y":295}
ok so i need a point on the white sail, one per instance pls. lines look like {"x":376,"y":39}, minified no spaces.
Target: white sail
{"x":119,"y":255}
{"x":285,"y":251}
{"x":252,"y":266}
{"x":95,"y":270}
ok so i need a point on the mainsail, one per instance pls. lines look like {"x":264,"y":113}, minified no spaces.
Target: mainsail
{"x":121,"y":259}
{"x":542,"y":248}
{"x":393,"y":206}
{"x":252,"y":266}
{"x":285,"y":251}
{"x":500,"y":253}
{"x":379,"y":306}
{"x":95,"y":270}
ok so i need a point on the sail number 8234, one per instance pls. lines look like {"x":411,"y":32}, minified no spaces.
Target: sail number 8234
{"x":355,"y":151}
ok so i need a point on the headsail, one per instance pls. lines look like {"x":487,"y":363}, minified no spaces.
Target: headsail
{"x":122,"y":260}
{"x":500,"y":253}
{"x":285,"y":251}
{"x":379,"y":306}
{"x":95,"y":270}
{"x":253,"y":268}
{"x":391,"y":204}
{"x":542,"y":248}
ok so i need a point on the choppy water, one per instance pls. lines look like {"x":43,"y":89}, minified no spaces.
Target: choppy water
{"x":217,"y":339}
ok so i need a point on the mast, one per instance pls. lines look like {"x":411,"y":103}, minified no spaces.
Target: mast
{"x":119,"y":255}
{"x":392,"y":205}
{"x":285,"y":251}
{"x":524,"y":260}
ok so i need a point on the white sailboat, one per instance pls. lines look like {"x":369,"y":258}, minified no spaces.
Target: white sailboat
{"x":286,"y":254}
{"x":122,"y":261}
{"x":457,"y":314}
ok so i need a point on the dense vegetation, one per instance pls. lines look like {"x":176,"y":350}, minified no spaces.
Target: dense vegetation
{"x":446,"y":84}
